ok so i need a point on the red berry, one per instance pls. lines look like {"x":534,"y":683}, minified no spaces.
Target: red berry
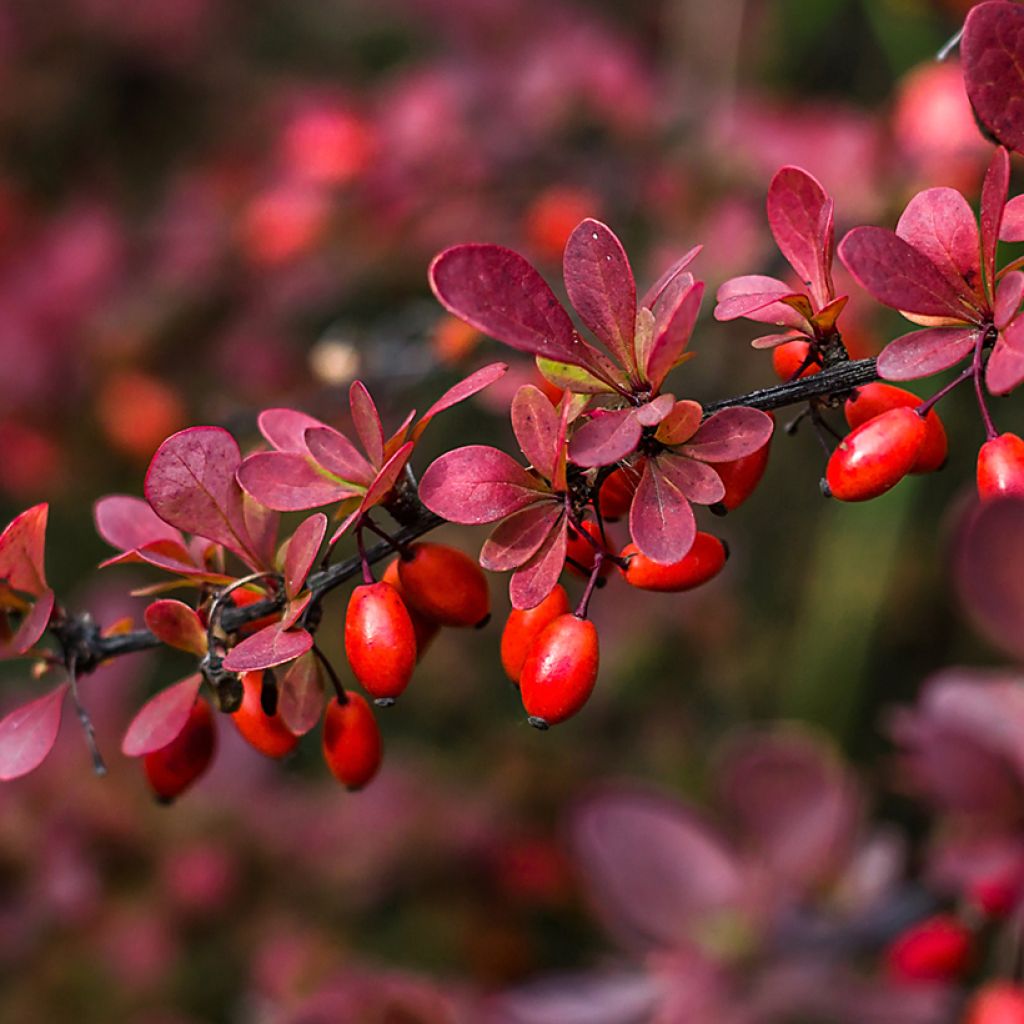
{"x":998,"y":1002}
{"x":701,"y":563}
{"x":937,"y":949}
{"x":379,"y":640}
{"x":580,"y":552}
{"x":172,"y":769}
{"x":873,"y":399}
{"x":525,"y":625}
{"x":424,"y":628}
{"x":351,"y":741}
{"x":875,"y":456}
{"x":1001,"y":467}
{"x":559,"y":670}
{"x":788,"y":357}
{"x":616,"y":494}
{"x":444,"y":585}
{"x":741,"y":476}
{"x":266,"y":733}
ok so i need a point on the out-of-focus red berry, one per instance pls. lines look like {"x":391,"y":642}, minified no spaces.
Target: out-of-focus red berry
{"x":453,"y":340}
{"x":137,"y":411}
{"x":282,"y":223}
{"x":998,"y":1002}
{"x":553,"y":215}
{"x":326,"y":144}
{"x":937,"y":949}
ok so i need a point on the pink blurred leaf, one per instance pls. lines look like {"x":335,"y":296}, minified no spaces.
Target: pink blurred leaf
{"x":300,"y":699}
{"x":516,"y":539}
{"x":922,"y":353}
{"x":697,"y":481}
{"x":654,"y":293}
{"x":303,"y":548}
{"x":800,"y":217}
{"x":176,"y":624}
{"x":31,"y":627}
{"x":338,"y":455}
{"x":897,"y":275}
{"x":466,"y":388}
{"x":23,"y":549}
{"x":654,"y":870}
{"x":127,"y":523}
{"x":161,"y":719}
{"x":289,"y":482}
{"x":477,"y":484}
{"x":28,"y":733}
{"x":593,"y":998}
{"x":730,"y":434}
{"x":771,"y":340}
{"x":1005,"y":368}
{"x":272,"y":645}
{"x":286,"y":429}
{"x":992,"y":51}
{"x":535,"y":424}
{"x":605,"y":438}
{"x":993,"y":199}
{"x":600,"y":284}
{"x":531,"y":583}
{"x":367,"y":422}
{"x":661,"y":521}
{"x":1012,"y":228}
{"x":672,"y":334}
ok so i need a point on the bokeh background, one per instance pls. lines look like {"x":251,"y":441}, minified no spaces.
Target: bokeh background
{"x":210,"y":207}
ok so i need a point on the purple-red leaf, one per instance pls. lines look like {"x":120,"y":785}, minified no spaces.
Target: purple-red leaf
{"x":605,"y":438}
{"x":1012,"y":228}
{"x":531,"y":583}
{"x":1005,"y":368}
{"x":22,"y":550}
{"x":272,"y":645}
{"x":993,"y":200}
{"x":31,"y":627}
{"x":127,"y":523}
{"x":897,"y":275}
{"x":696,"y":480}
{"x":28,"y":733}
{"x":730,"y":434}
{"x":516,"y":539}
{"x":294,"y":610}
{"x":672,"y":332}
{"x":992,"y":50}
{"x":338,"y":455}
{"x":177,"y":625}
{"x":677,"y":268}
{"x":681,"y":423}
{"x":302,"y":551}
{"x":501,"y":294}
{"x":286,"y":429}
{"x":581,"y":998}
{"x":799,"y":214}
{"x":161,"y":719}
{"x":759,"y":298}
{"x":535,"y":424}
{"x":922,"y":353}
{"x":477,"y":484}
{"x":650,"y":414}
{"x":466,"y":388}
{"x":367,"y":422}
{"x":289,"y":482}
{"x":385,"y":480}
{"x":1009,"y":295}
{"x":300,"y":700}
{"x":601,"y":288}
{"x":661,"y":521}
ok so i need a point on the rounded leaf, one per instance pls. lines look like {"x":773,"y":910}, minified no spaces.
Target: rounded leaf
{"x":161,"y":719}
{"x":28,"y":733}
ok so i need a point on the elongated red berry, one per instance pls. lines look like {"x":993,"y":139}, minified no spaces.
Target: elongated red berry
{"x":937,"y":949}
{"x":741,"y":476}
{"x":580,"y":552}
{"x":616,"y":494}
{"x":789,"y":357}
{"x":379,"y":640}
{"x":873,"y":399}
{"x":445,"y":585}
{"x":524,"y":626}
{"x":172,"y":769}
{"x":1001,"y":467}
{"x":351,"y":741}
{"x":424,"y":628}
{"x":559,"y":670}
{"x":266,"y":733}
{"x":998,"y":1002}
{"x":702,"y":562}
{"x":875,"y":456}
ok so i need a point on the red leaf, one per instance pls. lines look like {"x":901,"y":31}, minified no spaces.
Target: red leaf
{"x":771,"y":340}
{"x":385,"y":480}
{"x":161,"y":719}
{"x":940,"y":224}
{"x":698,"y":482}
{"x":650,"y":414}
{"x":177,"y":625}
{"x":535,"y":424}
{"x":367,"y":422}
{"x":516,"y":539}
{"x":289,"y":482}
{"x":661,"y":521}
{"x":993,"y":200}
{"x":338,"y":455}
{"x":673,"y":329}
{"x":477,"y":484}
{"x":272,"y":645}
{"x":677,"y":268}
{"x":1012,"y":228}
{"x":681,"y":423}
{"x":600,"y":284}
{"x":300,"y":699}
{"x":922,"y":353}
{"x":605,"y":438}
{"x":1009,"y":295}
{"x":28,"y":733}
{"x":500,"y":293}
{"x":191,"y":485}
{"x":897,"y":275}
{"x":303,"y":548}
{"x":261,"y":525}
{"x":31,"y":627}
{"x":1005,"y":368}
{"x":757,"y":294}
{"x":22,"y":551}
{"x":531,"y":583}
{"x":127,"y":523}
{"x":475,"y":382}
{"x":294,"y":610}
{"x":171,"y":557}
{"x":800,"y":217}
{"x":730,"y":434}
{"x":286,"y":429}
{"x":992,"y":50}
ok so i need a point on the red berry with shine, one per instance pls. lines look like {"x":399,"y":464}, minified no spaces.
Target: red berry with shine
{"x":172,"y":769}
{"x":351,"y":741}
{"x":875,"y":456}
{"x":937,"y":949}
{"x":702,"y":562}
{"x":444,"y":585}
{"x":998,"y":1002}
{"x":788,"y":357}
{"x":873,"y":399}
{"x":525,"y":625}
{"x":424,"y":628}
{"x":1001,"y":467}
{"x":266,"y":733}
{"x":559,"y":671}
{"x":580,"y":552}
{"x":380,"y":640}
